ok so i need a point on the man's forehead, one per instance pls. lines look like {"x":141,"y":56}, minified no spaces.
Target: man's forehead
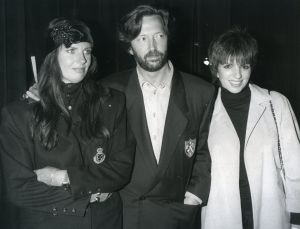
{"x":153,"y":22}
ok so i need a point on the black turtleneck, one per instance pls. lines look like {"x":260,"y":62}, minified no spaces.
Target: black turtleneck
{"x":237,"y":107}
{"x":71,"y":94}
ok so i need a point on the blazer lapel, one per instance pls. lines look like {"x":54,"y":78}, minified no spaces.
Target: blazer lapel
{"x":137,"y":120}
{"x":256,"y":110}
{"x":176,"y":121}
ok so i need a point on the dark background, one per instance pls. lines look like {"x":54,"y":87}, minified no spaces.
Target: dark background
{"x":274,"y":23}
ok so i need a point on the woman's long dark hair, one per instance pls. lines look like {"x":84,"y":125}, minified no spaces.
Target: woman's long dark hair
{"x":51,"y":106}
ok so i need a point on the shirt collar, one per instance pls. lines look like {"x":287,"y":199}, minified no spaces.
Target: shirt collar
{"x":165,"y":83}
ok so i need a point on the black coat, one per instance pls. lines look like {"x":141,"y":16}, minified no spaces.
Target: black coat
{"x":154,"y":196}
{"x":42,"y":206}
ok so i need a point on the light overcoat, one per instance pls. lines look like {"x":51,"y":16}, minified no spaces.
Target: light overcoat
{"x":271,"y":205}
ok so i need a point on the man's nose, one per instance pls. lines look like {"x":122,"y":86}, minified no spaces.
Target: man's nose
{"x":152,"y":44}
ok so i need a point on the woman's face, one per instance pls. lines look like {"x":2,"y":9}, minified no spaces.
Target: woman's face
{"x":74,"y":61}
{"x":233,"y":76}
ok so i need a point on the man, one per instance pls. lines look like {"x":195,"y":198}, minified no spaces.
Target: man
{"x":169,"y":113}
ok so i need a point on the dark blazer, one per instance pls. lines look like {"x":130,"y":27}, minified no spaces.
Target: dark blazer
{"x":41,"y":206}
{"x":154,"y":196}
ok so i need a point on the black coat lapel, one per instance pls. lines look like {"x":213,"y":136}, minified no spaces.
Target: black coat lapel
{"x":176,"y":121}
{"x":138,"y":121}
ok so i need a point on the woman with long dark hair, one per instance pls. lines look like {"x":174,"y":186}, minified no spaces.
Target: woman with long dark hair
{"x":65,"y":157}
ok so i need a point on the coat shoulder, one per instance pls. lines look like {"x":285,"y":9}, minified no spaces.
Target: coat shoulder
{"x":275,"y":96}
{"x":198,"y":86}
{"x":118,"y":80}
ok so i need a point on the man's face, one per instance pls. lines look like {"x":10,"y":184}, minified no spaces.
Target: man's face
{"x":149,"y":48}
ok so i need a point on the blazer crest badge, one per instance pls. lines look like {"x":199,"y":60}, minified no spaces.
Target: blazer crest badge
{"x":189,"y":147}
{"x":99,"y":156}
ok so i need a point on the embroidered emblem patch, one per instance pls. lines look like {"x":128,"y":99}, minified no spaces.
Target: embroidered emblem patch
{"x":99,"y":156}
{"x":189,"y":147}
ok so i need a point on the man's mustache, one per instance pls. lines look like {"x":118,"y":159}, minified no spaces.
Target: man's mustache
{"x":153,"y":53}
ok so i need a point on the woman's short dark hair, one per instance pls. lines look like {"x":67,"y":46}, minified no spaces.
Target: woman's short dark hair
{"x":131,"y":24}
{"x":235,"y":43}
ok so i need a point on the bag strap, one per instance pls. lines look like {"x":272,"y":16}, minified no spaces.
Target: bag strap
{"x":278,"y":139}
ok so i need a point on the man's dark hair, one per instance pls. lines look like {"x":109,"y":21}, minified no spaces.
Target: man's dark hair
{"x":131,"y":24}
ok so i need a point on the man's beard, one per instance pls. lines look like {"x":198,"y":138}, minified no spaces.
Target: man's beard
{"x":146,"y":63}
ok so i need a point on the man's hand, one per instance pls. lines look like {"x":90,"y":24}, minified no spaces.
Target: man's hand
{"x":191,"y":199}
{"x":52,"y":176}
{"x":33,"y":92}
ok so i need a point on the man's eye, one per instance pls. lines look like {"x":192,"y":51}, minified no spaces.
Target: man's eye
{"x":160,"y":35}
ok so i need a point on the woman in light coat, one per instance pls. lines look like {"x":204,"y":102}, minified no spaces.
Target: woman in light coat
{"x":248,"y":188}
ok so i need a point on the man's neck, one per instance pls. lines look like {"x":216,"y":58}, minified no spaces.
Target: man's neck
{"x":157,"y":77}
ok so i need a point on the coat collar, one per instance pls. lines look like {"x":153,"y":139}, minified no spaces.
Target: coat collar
{"x":259,"y":101}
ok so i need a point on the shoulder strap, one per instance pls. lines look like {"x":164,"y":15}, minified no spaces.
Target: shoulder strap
{"x":278,"y":139}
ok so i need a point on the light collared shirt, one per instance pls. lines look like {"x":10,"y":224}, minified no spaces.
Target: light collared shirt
{"x":156,"y":100}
